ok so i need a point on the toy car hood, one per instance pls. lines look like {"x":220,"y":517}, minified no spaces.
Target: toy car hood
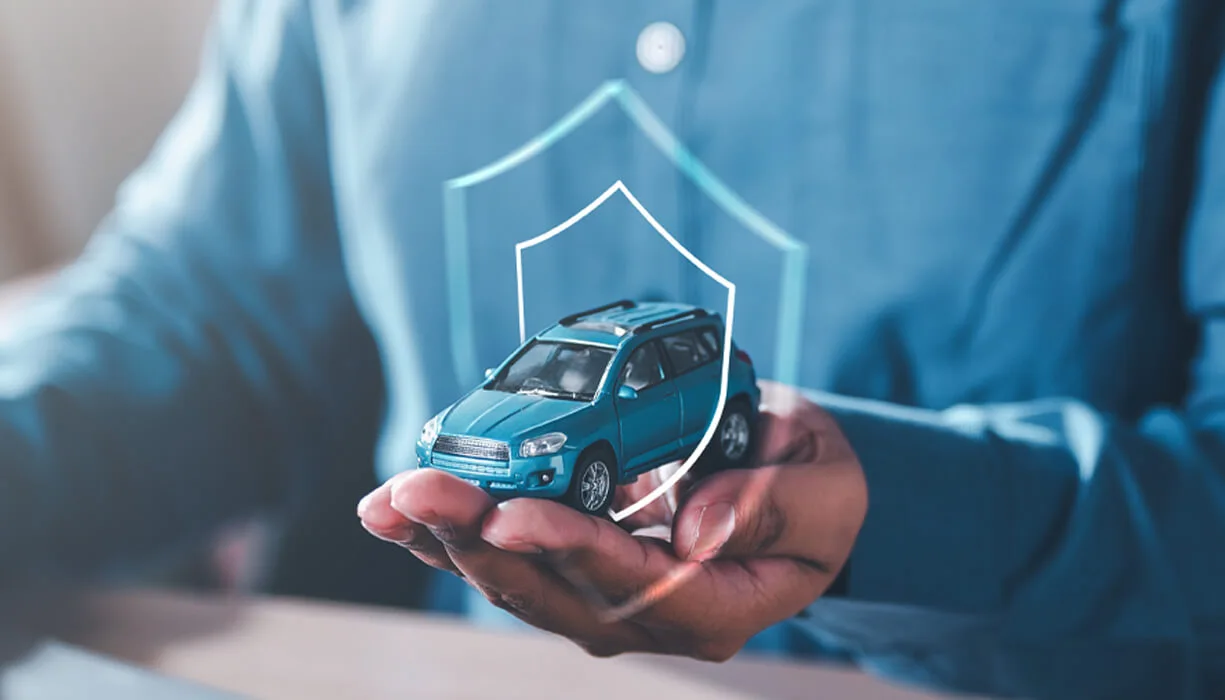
{"x":504,"y":416}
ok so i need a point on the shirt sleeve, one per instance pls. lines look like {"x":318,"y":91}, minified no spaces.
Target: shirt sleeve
{"x":1050,"y":549}
{"x":198,"y":362}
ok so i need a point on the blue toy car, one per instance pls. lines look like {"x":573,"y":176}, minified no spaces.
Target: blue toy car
{"x":595,"y":400}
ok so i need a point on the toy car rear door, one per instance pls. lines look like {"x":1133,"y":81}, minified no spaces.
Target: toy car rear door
{"x":650,"y":423}
{"x":697,"y":373}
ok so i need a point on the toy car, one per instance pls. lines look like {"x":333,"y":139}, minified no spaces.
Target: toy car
{"x":595,"y":400}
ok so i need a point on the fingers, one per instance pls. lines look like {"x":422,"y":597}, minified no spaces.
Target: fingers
{"x":382,"y":520}
{"x":617,"y":571}
{"x":451,"y":508}
{"x":510,"y":579}
{"x":659,"y":511}
{"x":806,"y":502}
{"x":641,"y":582}
{"x":621,"y":564}
{"x":809,"y":512}
{"x":793,"y":430}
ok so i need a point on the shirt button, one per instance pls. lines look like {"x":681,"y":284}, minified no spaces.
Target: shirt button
{"x":660,"y":47}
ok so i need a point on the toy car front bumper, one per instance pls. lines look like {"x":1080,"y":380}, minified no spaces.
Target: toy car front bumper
{"x":538,"y":477}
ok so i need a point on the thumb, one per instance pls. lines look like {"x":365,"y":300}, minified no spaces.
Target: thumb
{"x":810,"y":512}
{"x":730,"y":514}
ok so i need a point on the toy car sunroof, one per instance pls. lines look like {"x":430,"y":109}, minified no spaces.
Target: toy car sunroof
{"x":601,"y":326}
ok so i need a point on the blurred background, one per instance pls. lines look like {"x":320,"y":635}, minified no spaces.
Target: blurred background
{"x":85,"y":89}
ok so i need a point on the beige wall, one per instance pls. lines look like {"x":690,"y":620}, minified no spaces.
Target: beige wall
{"x":85,"y":88}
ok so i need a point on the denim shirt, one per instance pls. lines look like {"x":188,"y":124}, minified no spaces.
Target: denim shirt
{"x":986,"y":234}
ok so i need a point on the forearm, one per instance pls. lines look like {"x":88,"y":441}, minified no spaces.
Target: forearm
{"x":182,"y":372}
{"x":1002,"y":540}
{"x":123,"y":437}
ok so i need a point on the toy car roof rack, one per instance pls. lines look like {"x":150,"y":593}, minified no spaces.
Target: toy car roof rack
{"x":682,"y":316}
{"x":574,"y":318}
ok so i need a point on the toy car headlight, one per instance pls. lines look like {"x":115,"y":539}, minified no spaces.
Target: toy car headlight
{"x":430,"y":431}
{"x":543,"y":445}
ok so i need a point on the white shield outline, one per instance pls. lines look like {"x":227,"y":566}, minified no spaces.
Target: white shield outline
{"x":619,"y":186}
{"x":618,"y":92}
{"x":455,"y":228}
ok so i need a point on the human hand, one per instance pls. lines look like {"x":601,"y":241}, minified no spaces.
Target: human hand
{"x":749,"y":548}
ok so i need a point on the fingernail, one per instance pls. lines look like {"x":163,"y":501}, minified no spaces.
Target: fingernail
{"x":364,"y":504}
{"x":716,"y":523}
{"x":515,"y":546}
{"x":400,"y":535}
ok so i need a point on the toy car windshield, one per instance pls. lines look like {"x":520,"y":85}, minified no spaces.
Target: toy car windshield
{"x":556,"y":370}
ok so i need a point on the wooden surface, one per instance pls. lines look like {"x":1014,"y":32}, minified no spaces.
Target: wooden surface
{"x":278,"y":648}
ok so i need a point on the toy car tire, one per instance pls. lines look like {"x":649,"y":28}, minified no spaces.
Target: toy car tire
{"x":734,"y":441}
{"x":593,"y":483}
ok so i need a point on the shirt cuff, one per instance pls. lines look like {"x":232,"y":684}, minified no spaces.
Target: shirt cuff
{"x":947,"y":497}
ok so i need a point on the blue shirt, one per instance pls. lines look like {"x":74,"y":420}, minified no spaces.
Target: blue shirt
{"x":988,"y":234}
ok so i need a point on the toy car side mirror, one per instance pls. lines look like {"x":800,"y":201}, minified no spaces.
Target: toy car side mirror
{"x":627,"y":392}
{"x":488,"y":373}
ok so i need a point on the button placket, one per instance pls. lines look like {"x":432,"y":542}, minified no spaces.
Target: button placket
{"x":662,"y":43}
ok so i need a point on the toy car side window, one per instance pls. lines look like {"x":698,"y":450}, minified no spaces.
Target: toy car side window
{"x":710,"y":338}
{"x":685,"y":351}
{"x":643,"y":370}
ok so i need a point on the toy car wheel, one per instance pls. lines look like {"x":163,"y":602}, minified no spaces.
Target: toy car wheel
{"x":593,"y":483}
{"x":732,"y":445}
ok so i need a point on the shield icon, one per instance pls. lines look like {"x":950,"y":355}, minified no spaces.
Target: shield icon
{"x":617,"y":94}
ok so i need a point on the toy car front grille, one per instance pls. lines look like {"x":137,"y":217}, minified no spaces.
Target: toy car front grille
{"x":480,"y":448}
{"x":468,"y":466}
